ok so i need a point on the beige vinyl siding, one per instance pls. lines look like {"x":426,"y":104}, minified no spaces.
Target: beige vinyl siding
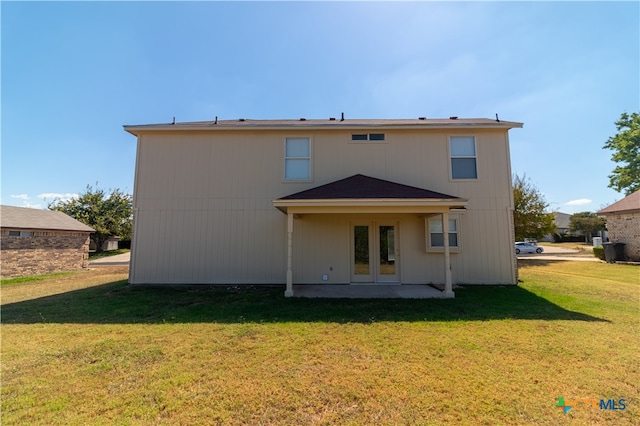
{"x":204,"y":211}
{"x":221,"y":246}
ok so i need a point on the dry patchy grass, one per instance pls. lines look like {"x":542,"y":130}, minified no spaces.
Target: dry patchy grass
{"x":88,"y":349}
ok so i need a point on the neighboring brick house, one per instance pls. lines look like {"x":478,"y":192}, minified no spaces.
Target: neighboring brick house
{"x":623,"y":224}
{"x":38,"y":242}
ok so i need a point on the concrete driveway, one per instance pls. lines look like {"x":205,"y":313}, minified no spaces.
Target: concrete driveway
{"x":559,"y":253}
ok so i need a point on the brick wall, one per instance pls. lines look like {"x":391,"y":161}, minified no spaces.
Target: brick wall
{"x":625,"y":228}
{"x":43,"y":253}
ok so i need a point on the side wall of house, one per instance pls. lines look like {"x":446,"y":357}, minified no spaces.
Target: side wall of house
{"x":43,"y":253}
{"x":625,"y":228}
{"x":204,"y":213}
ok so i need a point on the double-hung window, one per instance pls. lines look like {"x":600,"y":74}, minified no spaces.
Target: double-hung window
{"x":436,"y":234}
{"x":297,"y":159}
{"x":462,"y":150}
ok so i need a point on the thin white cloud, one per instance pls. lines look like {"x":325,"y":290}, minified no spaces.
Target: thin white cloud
{"x":20,"y":196}
{"x":579,"y":202}
{"x":32,"y":206}
{"x":50,"y":196}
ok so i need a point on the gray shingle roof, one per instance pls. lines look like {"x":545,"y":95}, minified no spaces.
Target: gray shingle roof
{"x":630,"y":203}
{"x":348,"y":124}
{"x":26,"y":218}
{"x":365,"y":187}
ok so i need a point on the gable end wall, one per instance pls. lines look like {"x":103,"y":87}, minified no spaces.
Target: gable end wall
{"x":204,"y":212}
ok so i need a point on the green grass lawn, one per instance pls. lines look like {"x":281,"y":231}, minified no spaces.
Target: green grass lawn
{"x":86,"y":348}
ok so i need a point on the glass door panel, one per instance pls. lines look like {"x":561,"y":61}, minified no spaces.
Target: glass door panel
{"x":361,"y":250}
{"x":387,"y":258}
{"x":361,"y":255}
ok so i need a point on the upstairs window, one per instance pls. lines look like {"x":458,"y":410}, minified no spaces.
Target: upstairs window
{"x":297,"y":159}
{"x":462,"y":150}
{"x":360,"y":137}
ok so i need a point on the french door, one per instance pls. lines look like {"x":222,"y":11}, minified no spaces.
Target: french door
{"x":374,"y":252}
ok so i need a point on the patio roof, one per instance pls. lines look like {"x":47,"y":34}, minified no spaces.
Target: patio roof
{"x":362,"y":194}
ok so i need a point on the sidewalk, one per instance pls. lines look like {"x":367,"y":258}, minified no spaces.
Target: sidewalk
{"x":118,"y":259}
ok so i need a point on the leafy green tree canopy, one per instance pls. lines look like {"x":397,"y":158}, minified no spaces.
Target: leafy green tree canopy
{"x":111,"y":215}
{"x":626,"y":152}
{"x":530,"y":218}
{"x":586,"y":222}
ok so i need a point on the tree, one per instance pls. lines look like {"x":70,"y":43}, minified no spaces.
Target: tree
{"x":530,"y":219}
{"x":626,"y":147}
{"x":587,"y":223}
{"x":110,"y":215}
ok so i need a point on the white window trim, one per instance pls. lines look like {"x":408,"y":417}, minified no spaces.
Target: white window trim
{"x":285,"y":158}
{"x":427,"y":234}
{"x":475,"y":149}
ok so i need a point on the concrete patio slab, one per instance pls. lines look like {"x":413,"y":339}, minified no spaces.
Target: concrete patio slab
{"x":373,"y":291}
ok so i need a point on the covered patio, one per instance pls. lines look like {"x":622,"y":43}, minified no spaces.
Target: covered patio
{"x":366,"y":195}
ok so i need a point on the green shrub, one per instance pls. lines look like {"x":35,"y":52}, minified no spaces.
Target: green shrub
{"x":599,"y":252}
{"x":566,"y":238}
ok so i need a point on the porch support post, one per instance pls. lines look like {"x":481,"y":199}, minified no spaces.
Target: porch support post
{"x":289,"y":290}
{"x":448,"y":285}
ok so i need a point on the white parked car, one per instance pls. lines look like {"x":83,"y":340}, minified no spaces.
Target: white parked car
{"x":524,"y":247}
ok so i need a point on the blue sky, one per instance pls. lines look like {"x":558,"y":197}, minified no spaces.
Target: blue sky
{"x":73,"y":73}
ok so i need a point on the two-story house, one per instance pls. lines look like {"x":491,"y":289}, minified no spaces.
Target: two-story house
{"x":335,"y":201}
